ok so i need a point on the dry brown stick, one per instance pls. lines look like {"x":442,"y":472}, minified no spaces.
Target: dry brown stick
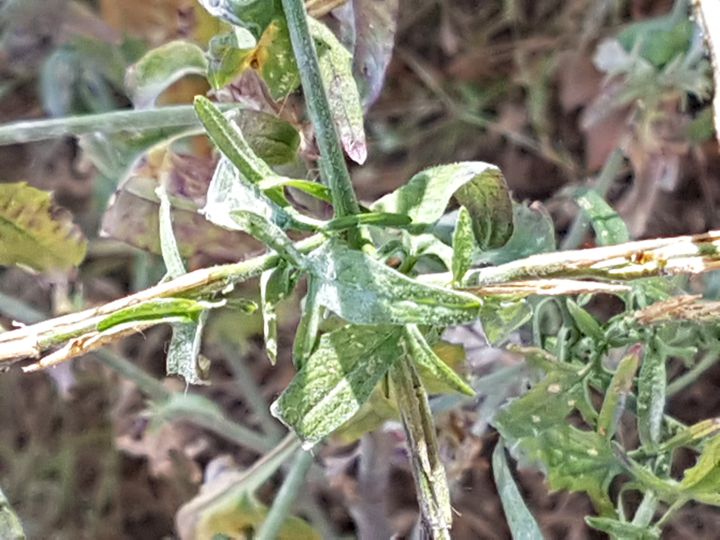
{"x":538,"y":274}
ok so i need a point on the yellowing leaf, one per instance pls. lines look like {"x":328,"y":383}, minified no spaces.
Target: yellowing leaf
{"x":34,"y":233}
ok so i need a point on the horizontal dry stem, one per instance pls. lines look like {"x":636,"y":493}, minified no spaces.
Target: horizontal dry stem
{"x":546,"y":274}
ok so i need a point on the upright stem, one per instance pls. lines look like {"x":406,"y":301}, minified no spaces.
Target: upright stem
{"x":286,"y":496}
{"x":332,"y":160}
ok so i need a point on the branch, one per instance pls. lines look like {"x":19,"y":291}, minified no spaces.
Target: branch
{"x":332,"y":160}
{"x":550,"y":273}
{"x":110,"y":122}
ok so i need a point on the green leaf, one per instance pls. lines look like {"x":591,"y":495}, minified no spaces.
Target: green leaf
{"x":230,"y":140}
{"x":430,"y":365}
{"x":463,"y":244}
{"x":183,"y":357}
{"x":374,"y":25}
{"x":702,"y":481}
{"x":623,"y":530}
{"x":35,"y":233}
{"x":535,"y":427}
{"x":479,"y":186}
{"x":521,"y":522}
{"x":608,"y":225}
{"x":230,"y":192}
{"x":652,"y":385}
{"x":275,"y":285}
{"x":168,"y":245}
{"x":660,"y":39}
{"x":342,"y":91}
{"x":500,"y":317}
{"x":306,"y":336}
{"x":585,"y":322}
{"x":533,"y":232}
{"x":362,"y":290}
{"x":616,"y":394}
{"x":274,"y":140}
{"x":160,"y":309}
{"x":228,"y":58}
{"x":254,"y":15}
{"x":161,"y":67}
{"x":10,"y":525}
{"x":691,"y":436}
{"x":314,"y":189}
{"x":337,"y":379}
{"x":236,"y":204}
{"x":378,"y":219}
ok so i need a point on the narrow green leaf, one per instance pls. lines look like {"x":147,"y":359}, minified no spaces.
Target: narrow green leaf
{"x":463,"y":243}
{"x":229,"y":139}
{"x":160,"y":68}
{"x":314,"y":189}
{"x":652,"y":385}
{"x":306,"y":336}
{"x":275,"y":285}
{"x":428,"y":471}
{"x":362,"y":290}
{"x":378,"y":219}
{"x":183,"y":357}
{"x":343,"y":95}
{"x":691,"y":436}
{"x":35,"y":233}
{"x":616,"y":394}
{"x":10,"y":525}
{"x":585,"y":322}
{"x":429,"y":362}
{"x":620,"y":529}
{"x":521,"y":522}
{"x":337,"y":379}
{"x":608,"y":225}
{"x":168,"y":245}
{"x":426,"y":196}
{"x":161,"y":309}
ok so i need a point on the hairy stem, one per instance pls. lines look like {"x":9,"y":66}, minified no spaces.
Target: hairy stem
{"x":332,"y":160}
{"x":110,"y":122}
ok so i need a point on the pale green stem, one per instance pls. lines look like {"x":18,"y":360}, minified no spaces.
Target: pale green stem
{"x":10,"y":525}
{"x":686,"y":379}
{"x":332,"y":160}
{"x":251,"y":393}
{"x":110,"y":122}
{"x":285,"y":498}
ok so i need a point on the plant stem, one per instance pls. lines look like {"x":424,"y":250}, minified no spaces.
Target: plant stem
{"x":145,"y":382}
{"x":427,"y":468}
{"x":607,"y":176}
{"x":110,"y":122}
{"x":286,"y":496}
{"x":332,"y":160}
{"x":251,"y":393}
{"x":31,"y":342}
{"x":688,"y":378}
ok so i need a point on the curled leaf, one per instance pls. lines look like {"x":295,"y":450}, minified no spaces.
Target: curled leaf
{"x":343,"y":95}
{"x":160,"y":68}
